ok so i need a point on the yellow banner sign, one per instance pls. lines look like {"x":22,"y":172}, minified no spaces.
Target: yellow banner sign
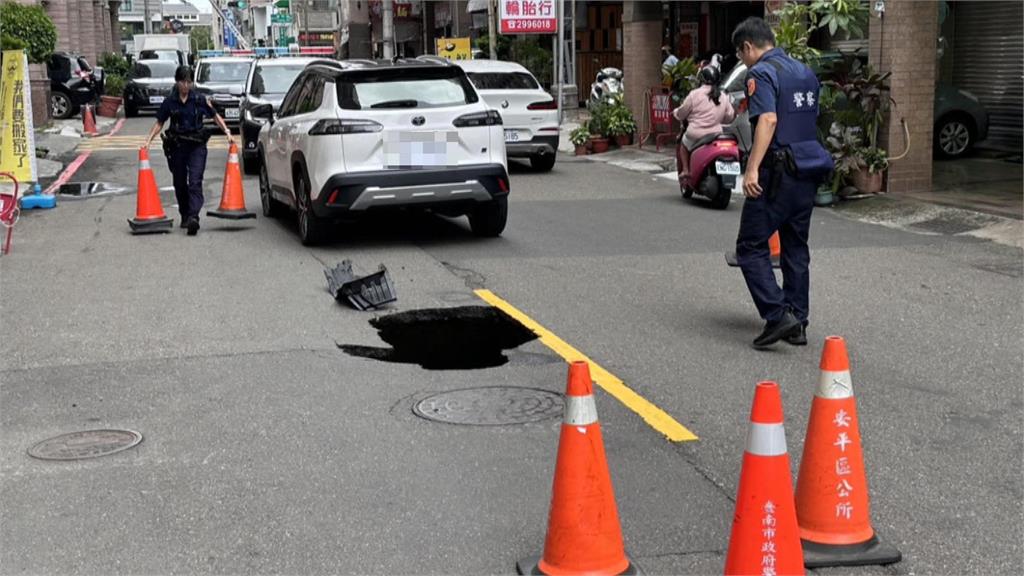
{"x":454,"y":48}
{"x":17,"y":136}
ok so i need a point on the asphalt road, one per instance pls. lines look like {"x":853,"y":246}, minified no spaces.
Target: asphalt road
{"x":268,"y":450}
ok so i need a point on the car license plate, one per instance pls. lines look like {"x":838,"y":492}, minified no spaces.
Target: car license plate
{"x":418,"y":149}
{"x":511,"y":136}
{"x":728,"y":168}
{"x":156,"y":99}
{"x":231,"y":113}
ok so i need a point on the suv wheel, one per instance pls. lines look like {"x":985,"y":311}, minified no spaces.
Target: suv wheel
{"x":271,"y":208}
{"x":488,"y":219}
{"x":954,"y":136}
{"x":311,"y":228}
{"x":60,"y":105}
{"x":542,"y":162}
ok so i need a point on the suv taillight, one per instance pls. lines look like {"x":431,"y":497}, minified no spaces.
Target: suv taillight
{"x":546,"y":105}
{"x":336,"y":126}
{"x":488,"y":118}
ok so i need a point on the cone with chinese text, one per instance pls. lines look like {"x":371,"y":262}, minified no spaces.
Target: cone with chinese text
{"x":232,"y":198}
{"x":765,"y":537}
{"x":89,"y":121}
{"x":584,"y":536}
{"x":149,"y":213}
{"x":832,"y":501}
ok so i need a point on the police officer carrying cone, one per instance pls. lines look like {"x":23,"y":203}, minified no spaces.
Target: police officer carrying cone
{"x":786,"y":164}
{"x":185,"y":144}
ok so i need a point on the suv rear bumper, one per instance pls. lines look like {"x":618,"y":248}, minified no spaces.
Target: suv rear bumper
{"x":361,"y":191}
{"x":538,"y":145}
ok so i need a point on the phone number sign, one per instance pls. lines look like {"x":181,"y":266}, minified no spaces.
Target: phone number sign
{"x":528,"y":16}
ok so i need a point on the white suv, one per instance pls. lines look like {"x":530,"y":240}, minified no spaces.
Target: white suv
{"x":529,"y":113}
{"x":366,"y":135}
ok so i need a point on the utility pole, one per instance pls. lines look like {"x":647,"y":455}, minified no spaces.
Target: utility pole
{"x":388,"y":23}
{"x":147,"y":24}
{"x":491,"y":29}
{"x":560,"y":56}
{"x":305,"y":19}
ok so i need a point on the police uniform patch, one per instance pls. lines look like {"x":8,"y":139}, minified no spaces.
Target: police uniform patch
{"x":751,"y":86}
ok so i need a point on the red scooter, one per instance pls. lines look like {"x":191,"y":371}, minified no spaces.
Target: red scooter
{"x":715,"y":168}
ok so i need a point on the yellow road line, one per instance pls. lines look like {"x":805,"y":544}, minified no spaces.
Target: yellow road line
{"x":655,"y":417}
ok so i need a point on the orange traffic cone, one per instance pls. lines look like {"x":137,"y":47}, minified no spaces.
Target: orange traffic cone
{"x":89,"y":121}
{"x":149,"y":213}
{"x":765,"y":538}
{"x":232,"y":198}
{"x":774,"y":248}
{"x":832,"y":489}
{"x":584,"y":536}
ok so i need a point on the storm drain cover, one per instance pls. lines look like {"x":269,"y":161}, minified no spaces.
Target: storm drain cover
{"x":87,"y":444}
{"x":490,"y":406}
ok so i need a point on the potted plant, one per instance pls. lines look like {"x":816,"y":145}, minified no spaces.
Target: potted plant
{"x":845,"y":144}
{"x":580,"y":137}
{"x":116,"y":68}
{"x":621,"y":124}
{"x":110,"y":103}
{"x":598,"y":128}
{"x":871,"y":164}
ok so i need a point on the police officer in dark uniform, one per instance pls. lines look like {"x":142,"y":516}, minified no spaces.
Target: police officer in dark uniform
{"x":785,"y":166}
{"x":185,"y":144}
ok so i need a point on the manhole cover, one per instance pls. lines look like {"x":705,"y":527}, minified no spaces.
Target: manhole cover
{"x":87,"y":444}
{"x":490,"y":406}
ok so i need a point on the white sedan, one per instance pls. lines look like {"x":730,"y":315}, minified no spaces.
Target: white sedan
{"x":529,"y":114}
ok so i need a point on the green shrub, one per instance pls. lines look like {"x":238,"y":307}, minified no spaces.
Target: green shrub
{"x":114,"y":85}
{"x":8,"y":42}
{"x":579,"y":136}
{"x":114,"y":64}
{"x":32,"y":26}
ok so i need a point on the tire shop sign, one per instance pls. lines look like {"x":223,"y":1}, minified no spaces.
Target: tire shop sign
{"x":527,"y":16}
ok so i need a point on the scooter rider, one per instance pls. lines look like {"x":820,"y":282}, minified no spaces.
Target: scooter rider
{"x":786,"y":164}
{"x":703,"y":112}
{"x":185,"y":144}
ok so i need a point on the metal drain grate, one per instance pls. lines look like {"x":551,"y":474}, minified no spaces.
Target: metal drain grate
{"x":490,"y":406}
{"x":87,"y":444}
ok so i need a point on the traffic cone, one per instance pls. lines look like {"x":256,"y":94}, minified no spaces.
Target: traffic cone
{"x":89,"y":121}
{"x":149,"y":213}
{"x":584,"y":536}
{"x":765,"y":538}
{"x":832,"y":489}
{"x":232,"y":198}
{"x":774,"y":248}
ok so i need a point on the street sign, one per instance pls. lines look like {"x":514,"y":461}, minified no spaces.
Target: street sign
{"x":454,"y":48}
{"x":282,"y":18}
{"x":528,"y":16}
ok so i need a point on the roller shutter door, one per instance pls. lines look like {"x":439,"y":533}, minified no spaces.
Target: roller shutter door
{"x":989,"y":62}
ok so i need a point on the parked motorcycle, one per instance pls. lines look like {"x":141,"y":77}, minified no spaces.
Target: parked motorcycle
{"x":715,"y":168}
{"x":607,"y":88}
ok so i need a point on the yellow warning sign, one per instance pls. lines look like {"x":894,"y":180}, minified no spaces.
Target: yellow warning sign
{"x":454,"y":48}
{"x":17,"y":136}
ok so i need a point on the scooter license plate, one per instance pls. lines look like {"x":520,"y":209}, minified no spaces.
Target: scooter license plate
{"x":727,"y":168}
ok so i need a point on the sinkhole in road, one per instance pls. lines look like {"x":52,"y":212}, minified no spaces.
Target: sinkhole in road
{"x":460,"y":338}
{"x":86,"y":189}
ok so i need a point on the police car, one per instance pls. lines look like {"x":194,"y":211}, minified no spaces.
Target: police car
{"x":365,"y":135}
{"x":222,"y":78}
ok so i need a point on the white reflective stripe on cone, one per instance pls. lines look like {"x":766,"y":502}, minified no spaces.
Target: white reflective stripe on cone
{"x":580,"y":410}
{"x":835,"y":385}
{"x":233,"y":158}
{"x":766,"y":439}
{"x":144,"y":165}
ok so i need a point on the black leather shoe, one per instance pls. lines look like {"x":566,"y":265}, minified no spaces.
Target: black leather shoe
{"x":184,"y":223}
{"x":784,"y":327}
{"x":193,"y":226}
{"x":798,"y":338}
